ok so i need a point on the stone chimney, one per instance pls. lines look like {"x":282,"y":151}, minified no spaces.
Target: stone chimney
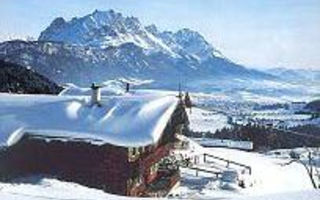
{"x":95,"y":95}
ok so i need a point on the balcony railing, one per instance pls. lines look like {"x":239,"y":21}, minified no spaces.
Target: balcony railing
{"x":149,"y":159}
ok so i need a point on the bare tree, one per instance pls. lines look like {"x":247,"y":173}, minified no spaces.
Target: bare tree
{"x":310,"y":165}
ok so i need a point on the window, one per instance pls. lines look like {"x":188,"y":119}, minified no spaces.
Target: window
{"x":135,"y":181}
{"x":133,"y":153}
{"x":130,"y":182}
{"x":154,"y":168}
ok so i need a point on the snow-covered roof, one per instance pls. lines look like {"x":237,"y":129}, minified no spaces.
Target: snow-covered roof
{"x":126,"y":120}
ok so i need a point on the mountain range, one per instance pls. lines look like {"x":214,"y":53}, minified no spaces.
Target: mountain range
{"x":106,"y":45}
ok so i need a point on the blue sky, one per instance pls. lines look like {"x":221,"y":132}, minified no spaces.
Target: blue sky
{"x":256,"y":33}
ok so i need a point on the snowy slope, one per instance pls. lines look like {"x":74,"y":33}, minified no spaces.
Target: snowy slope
{"x":37,"y":188}
{"x":301,"y":195}
{"x":206,"y":121}
{"x":269,"y":176}
{"x":303,"y":154}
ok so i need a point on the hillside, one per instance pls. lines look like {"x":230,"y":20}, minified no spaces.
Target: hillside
{"x":314,"y":106}
{"x":296,"y":75}
{"x":17,"y":79}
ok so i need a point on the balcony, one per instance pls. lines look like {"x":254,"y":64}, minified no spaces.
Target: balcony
{"x":147,"y":160}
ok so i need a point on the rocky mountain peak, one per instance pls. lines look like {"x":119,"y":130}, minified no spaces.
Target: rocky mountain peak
{"x":152,"y":29}
{"x":58,"y":22}
{"x":109,"y":28}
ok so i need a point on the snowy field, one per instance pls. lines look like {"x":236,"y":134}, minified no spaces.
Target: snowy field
{"x":206,"y":121}
{"x":210,"y":142}
{"x":303,"y":155}
{"x":269,"y":176}
{"x":287,"y":118}
{"x":52,"y":189}
{"x":37,"y":188}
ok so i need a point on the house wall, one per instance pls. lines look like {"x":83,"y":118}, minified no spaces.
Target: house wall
{"x":105,"y":167}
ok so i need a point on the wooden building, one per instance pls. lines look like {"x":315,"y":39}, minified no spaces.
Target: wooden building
{"x":126,"y":162}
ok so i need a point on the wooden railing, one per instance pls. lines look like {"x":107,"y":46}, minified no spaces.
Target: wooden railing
{"x":227,"y":161}
{"x":197,"y":169}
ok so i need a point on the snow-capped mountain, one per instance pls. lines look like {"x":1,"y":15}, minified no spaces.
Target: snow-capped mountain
{"x":103,"y":29}
{"x":111,"y":29}
{"x":107,"y":45}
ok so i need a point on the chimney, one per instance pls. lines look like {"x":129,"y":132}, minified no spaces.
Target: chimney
{"x":127,"y":87}
{"x":96,"y":94}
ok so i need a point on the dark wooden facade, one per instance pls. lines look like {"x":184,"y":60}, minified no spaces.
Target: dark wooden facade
{"x":111,"y":168}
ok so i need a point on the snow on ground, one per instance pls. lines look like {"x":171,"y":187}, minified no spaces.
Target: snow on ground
{"x":38,"y":188}
{"x":211,"y":142}
{"x":269,"y":176}
{"x":300,"y":195}
{"x":283,"y":117}
{"x":279,"y":114}
{"x":303,"y":155}
{"x":258,"y":98}
{"x":206,"y":121}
